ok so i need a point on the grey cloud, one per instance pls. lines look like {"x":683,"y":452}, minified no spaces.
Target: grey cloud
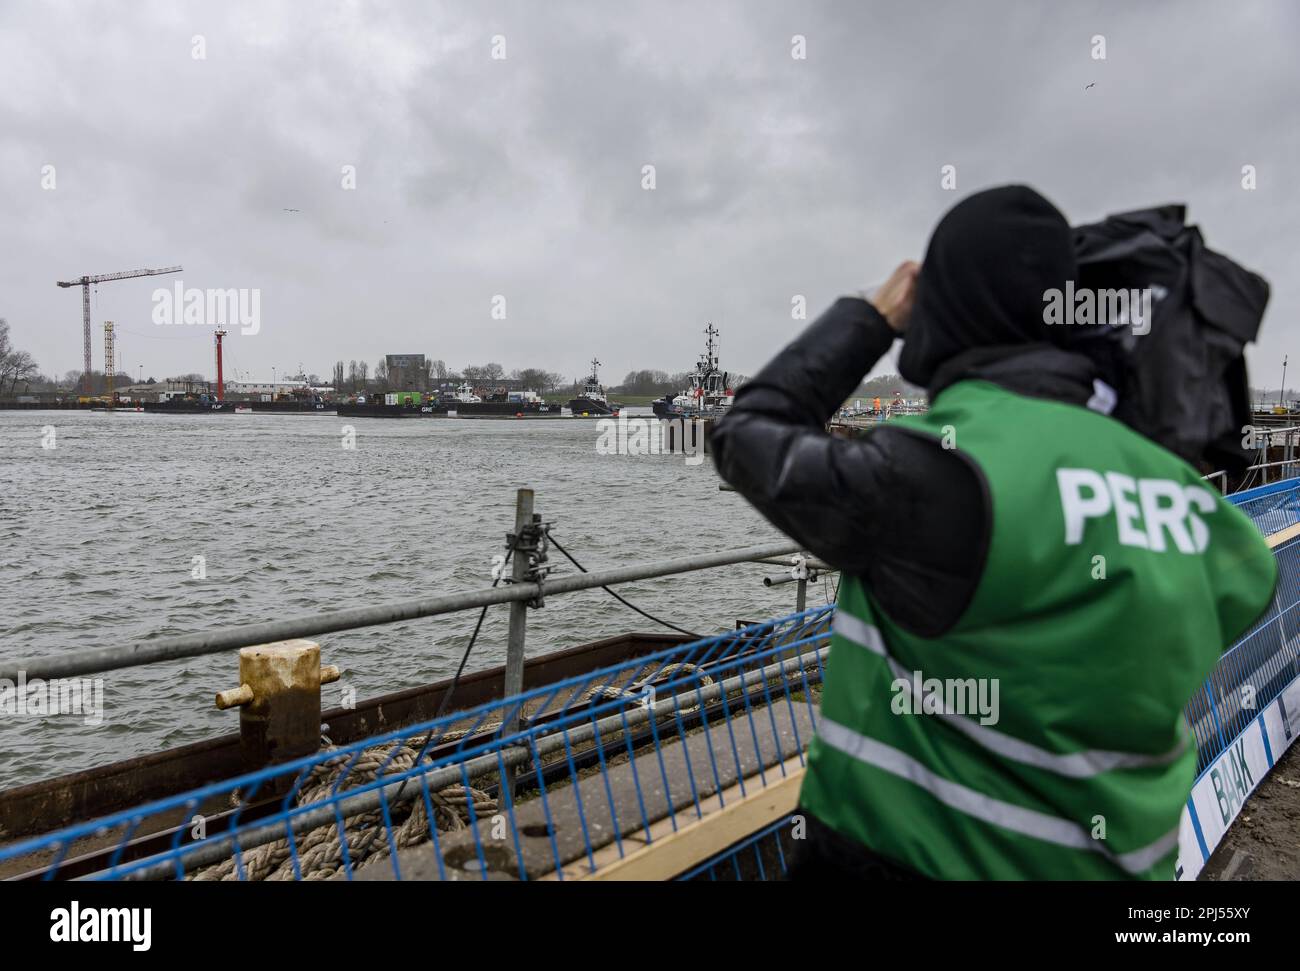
{"x":522,"y":177}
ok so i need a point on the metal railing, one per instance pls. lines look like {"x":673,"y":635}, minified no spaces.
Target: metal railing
{"x":585,"y":780}
{"x":96,"y":660}
{"x":569,"y":778}
{"x":1273,"y":507}
{"x":764,"y":855}
{"x":1254,"y":670}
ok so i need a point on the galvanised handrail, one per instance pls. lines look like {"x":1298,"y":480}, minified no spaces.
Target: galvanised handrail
{"x":95,"y":660}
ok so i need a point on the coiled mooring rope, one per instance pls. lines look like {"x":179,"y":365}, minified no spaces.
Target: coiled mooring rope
{"x":320,"y":851}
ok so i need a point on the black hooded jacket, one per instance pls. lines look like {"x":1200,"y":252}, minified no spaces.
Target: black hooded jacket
{"x":906,"y":515}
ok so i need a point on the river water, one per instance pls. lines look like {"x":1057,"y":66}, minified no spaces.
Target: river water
{"x":99,"y":537}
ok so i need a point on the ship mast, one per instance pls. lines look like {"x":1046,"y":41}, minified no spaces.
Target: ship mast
{"x":712,"y":332}
{"x":711,"y":362}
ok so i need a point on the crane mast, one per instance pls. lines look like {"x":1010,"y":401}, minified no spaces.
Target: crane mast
{"x":108,"y":361}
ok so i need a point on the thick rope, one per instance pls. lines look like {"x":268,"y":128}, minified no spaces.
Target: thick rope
{"x":636,"y":689}
{"x":320,"y":852}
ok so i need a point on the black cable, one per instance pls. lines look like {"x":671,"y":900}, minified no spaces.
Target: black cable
{"x":622,"y":600}
{"x":446,"y":696}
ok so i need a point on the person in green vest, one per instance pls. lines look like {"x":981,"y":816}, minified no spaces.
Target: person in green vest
{"x":1031,"y":591}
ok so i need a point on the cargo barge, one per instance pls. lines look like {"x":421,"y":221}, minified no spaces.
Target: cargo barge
{"x":464,"y":402}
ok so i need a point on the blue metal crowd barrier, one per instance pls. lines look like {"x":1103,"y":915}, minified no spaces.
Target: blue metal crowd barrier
{"x":1272,"y":507}
{"x":764,"y":855}
{"x":587,"y":749}
{"x":1266,"y":659}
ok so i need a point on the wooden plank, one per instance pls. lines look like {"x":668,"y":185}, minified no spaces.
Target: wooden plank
{"x":1283,"y":535}
{"x":674,"y":852}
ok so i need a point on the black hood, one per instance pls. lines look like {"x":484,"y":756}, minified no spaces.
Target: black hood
{"x":989,"y":263}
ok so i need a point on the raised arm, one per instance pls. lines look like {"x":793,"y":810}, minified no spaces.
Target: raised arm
{"x":891,"y":506}
{"x":773,"y":446}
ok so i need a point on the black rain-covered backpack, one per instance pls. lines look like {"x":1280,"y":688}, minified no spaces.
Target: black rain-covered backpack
{"x":1183,"y":383}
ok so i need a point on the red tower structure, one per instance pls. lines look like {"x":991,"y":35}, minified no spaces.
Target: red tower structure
{"x":221,"y":382}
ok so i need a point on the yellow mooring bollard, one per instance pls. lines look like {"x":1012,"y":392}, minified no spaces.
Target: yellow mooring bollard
{"x":279,"y":701}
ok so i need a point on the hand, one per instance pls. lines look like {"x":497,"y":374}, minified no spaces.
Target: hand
{"x":893,"y":299}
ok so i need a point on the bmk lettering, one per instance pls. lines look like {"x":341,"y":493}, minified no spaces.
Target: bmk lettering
{"x":1144,"y":510}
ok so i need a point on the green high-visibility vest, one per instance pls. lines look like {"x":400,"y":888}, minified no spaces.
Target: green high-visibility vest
{"x":1042,"y":736}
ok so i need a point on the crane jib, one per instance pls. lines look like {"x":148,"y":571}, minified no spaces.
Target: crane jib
{"x":85,"y":282}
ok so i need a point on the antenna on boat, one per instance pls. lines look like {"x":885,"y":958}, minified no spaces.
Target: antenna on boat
{"x":712,"y":332}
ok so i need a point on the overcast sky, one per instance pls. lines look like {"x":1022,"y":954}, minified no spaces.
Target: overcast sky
{"x":522,"y":176}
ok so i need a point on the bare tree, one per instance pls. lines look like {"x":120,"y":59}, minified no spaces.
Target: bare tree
{"x":652,"y":382}
{"x":532,"y":378}
{"x":18,"y":366}
{"x":15,"y":366}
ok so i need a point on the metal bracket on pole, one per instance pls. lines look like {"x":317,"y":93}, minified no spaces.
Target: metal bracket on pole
{"x":801,"y":573}
{"x":530,"y":544}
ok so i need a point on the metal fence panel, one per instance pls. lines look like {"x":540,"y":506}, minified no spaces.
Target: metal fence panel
{"x":587,"y":775}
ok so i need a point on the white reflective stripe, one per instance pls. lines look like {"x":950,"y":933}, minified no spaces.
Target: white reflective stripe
{"x":954,"y":795}
{"x":858,"y":631}
{"x":1074,"y":765}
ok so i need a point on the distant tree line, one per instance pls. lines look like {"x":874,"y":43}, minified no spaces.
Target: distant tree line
{"x":885,"y":386}
{"x":653,"y":382}
{"x":358,"y":377}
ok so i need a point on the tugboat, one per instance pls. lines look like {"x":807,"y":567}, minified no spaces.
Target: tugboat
{"x":709,"y":395}
{"x":592,"y":401}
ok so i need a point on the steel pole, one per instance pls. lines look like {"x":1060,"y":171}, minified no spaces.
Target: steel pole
{"x":514,"y":677}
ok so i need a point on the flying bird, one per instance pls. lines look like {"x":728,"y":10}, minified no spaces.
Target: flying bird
{"x":293,"y":210}
{"x":1087,"y":86}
